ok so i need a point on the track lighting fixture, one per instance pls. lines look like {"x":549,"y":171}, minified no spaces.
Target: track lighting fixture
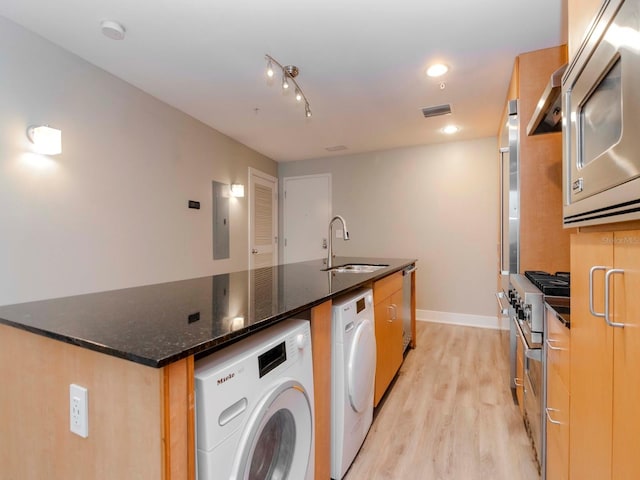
{"x":289,"y":73}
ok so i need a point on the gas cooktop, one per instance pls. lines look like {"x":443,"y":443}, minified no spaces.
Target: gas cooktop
{"x":553,"y":285}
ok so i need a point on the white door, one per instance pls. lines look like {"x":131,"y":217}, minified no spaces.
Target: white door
{"x":263,"y":219}
{"x":307,"y":211}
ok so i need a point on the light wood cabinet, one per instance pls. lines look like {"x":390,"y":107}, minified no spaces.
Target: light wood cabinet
{"x":544,"y":244}
{"x":557,"y":414}
{"x":387,"y":298}
{"x":580,"y":15}
{"x":141,"y":419}
{"x":605,"y":378}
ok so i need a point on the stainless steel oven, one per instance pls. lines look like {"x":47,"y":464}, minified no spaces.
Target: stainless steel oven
{"x":527,"y":295}
{"x":601,"y":105}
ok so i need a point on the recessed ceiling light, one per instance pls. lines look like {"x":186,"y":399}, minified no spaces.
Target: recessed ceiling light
{"x":450,"y":129}
{"x":437,"y":70}
{"x":112,"y":29}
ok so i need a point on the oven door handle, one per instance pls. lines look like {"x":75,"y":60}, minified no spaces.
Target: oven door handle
{"x":500,"y":296}
{"x":533,"y":354}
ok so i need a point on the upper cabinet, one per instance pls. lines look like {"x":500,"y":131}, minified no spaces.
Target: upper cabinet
{"x":581,"y":13}
{"x":543,"y":243}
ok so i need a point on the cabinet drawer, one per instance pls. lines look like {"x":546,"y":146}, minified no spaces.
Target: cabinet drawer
{"x":558,"y":342}
{"x":557,"y":433}
{"x":385,"y":287}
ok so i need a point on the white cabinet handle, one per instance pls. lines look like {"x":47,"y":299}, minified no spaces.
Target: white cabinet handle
{"x":551,"y":420}
{"x":393,"y":312}
{"x":591,"y":272}
{"x":551,"y":347}
{"x":518,"y":382}
{"x":607,"y":294}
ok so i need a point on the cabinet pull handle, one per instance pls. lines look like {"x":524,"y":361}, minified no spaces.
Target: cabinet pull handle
{"x":392,"y":312}
{"x":607,"y":293}
{"x":591,"y":308}
{"x":551,"y":420}
{"x":551,"y":347}
{"x":518,"y":382}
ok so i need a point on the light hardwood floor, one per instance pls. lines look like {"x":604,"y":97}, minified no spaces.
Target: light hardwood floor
{"x":450,"y":414}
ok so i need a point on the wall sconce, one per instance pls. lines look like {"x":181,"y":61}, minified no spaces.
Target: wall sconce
{"x":237,"y":190}
{"x":47,"y":140}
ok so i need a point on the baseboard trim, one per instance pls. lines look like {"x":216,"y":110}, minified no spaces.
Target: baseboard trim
{"x":463,"y":319}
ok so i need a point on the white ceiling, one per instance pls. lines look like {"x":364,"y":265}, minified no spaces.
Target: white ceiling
{"x":361,"y":62}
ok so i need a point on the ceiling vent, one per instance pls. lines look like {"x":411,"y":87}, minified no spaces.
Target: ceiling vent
{"x":337,"y":148}
{"x":436,"y":111}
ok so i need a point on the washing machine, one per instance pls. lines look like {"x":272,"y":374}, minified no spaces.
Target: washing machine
{"x":254,"y":407}
{"x":353,"y":366}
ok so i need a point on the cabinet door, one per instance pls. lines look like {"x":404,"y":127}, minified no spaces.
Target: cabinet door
{"x":388,"y":320}
{"x":557,"y":416}
{"x":520,"y":372}
{"x":557,"y":420}
{"x":591,"y":361}
{"x":626,"y":360}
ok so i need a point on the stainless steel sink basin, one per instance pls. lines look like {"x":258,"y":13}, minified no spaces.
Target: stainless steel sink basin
{"x":357,"y":268}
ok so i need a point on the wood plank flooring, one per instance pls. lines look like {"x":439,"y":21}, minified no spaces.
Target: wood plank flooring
{"x":450,"y":414}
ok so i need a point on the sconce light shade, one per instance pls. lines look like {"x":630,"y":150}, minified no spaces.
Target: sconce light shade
{"x":237,"y":190}
{"x":47,"y":140}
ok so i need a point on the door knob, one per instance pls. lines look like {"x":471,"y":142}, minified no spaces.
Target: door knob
{"x":254,"y":251}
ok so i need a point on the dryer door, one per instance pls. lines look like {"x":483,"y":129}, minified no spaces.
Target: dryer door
{"x":277,"y":441}
{"x":361,"y":368}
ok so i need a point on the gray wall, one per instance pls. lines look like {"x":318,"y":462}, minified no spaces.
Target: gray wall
{"x":111,"y":211}
{"x":436,"y":203}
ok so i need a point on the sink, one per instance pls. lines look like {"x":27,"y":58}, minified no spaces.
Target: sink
{"x":356,"y":268}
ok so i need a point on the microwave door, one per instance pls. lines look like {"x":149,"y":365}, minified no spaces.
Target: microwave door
{"x":604,"y":110}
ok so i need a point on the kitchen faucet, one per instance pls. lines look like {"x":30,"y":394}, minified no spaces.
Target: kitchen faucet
{"x":345,"y":236}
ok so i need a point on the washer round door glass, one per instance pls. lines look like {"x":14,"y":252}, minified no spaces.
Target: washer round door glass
{"x":361,"y":367}
{"x":277,"y":441}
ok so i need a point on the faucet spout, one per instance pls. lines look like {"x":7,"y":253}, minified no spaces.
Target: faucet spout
{"x":345,"y":236}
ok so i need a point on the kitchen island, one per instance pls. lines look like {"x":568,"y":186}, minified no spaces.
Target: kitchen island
{"x":134,"y":350}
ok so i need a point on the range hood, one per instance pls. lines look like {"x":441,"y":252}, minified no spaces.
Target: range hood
{"x":547,"y":117}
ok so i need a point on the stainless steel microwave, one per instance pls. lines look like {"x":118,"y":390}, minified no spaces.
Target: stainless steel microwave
{"x":601,"y":120}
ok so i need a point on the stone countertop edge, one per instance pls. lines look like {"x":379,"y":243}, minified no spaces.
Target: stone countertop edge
{"x":349,"y":282}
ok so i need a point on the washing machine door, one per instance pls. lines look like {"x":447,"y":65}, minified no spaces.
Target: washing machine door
{"x":361,"y":368}
{"x":277,"y":441}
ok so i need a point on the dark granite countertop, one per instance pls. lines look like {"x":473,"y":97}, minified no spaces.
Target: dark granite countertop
{"x":159,"y":324}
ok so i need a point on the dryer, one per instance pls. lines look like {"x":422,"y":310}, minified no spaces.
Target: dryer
{"x":353,"y":356}
{"x":254,"y":407}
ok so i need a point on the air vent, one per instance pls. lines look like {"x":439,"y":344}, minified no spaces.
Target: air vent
{"x":337,"y":148}
{"x":436,"y":110}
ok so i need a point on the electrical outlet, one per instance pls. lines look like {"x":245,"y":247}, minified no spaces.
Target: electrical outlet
{"x":78,"y":410}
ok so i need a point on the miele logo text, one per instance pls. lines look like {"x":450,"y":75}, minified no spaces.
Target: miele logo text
{"x":224,"y":379}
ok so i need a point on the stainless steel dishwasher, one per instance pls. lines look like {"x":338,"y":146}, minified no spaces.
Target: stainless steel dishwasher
{"x":406,"y":305}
